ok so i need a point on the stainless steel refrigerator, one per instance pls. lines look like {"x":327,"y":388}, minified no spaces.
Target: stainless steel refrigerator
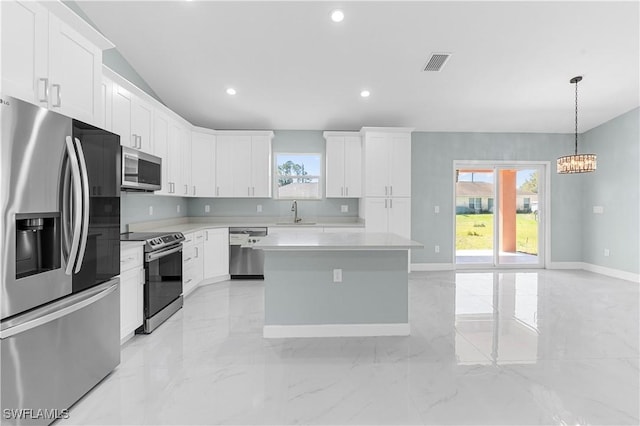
{"x":60,"y":254}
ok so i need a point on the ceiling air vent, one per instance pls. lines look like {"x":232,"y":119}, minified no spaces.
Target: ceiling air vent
{"x":437,"y":61}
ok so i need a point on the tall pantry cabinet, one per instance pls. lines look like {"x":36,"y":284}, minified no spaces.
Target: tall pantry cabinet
{"x":386,"y":205}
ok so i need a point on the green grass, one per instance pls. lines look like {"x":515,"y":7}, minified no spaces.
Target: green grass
{"x":475,"y":232}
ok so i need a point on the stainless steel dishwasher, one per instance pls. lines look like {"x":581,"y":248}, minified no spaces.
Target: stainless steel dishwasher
{"x":245,"y":262}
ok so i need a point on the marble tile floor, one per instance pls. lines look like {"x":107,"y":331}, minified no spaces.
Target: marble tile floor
{"x":492,"y":348}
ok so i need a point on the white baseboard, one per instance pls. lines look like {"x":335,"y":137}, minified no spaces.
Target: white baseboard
{"x":565,"y":265}
{"x":432,"y":267}
{"x":610,"y":272}
{"x":335,"y":330}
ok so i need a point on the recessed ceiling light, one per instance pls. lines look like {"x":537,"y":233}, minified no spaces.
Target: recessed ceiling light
{"x":337,"y":15}
{"x":365,"y":93}
{"x":231,"y":91}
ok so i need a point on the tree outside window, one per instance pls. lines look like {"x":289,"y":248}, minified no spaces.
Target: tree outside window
{"x":298,"y":176}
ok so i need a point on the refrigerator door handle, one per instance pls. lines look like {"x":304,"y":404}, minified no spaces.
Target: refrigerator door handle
{"x":66,"y":210}
{"x":77,"y":205}
{"x":85,"y":205}
{"x":57,"y":310}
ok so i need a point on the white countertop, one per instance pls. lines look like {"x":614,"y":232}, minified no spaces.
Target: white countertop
{"x":334,"y":241}
{"x":192,"y":224}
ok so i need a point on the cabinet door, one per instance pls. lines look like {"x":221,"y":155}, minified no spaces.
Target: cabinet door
{"x":353,"y":166}
{"x":400,"y":168}
{"x":121,"y":115}
{"x":175,"y":158}
{"x":25,"y":51}
{"x":129,"y":307}
{"x":185,"y":142}
{"x":216,"y":253}
{"x":202,"y":164}
{"x":140,"y":300}
{"x":400,"y":216}
{"x":377,"y":165}
{"x":75,"y":72}
{"x":226,"y":166}
{"x":141,"y":125}
{"x":106,"y":89}
{"x":242,"y":162}
{"x":260,"y":166}
{"x":161,"y":148}
{"x":376,"y":214}
{"x":335,"y":158}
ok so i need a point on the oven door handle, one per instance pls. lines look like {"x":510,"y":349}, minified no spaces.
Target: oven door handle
{"x":150,"y":257}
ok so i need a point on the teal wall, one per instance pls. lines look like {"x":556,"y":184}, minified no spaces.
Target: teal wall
{"x":301,"y":141}
{"x":134,"y":207}
{"x":432,"y":183}
{"x":615,"y":186}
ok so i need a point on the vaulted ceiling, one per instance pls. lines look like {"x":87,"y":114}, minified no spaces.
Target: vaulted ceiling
{"x":293,"y":68}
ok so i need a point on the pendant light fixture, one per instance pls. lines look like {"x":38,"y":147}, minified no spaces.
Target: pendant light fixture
{"x":576,"y":163}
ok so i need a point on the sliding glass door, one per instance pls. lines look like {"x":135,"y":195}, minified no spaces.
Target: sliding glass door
{"x":498,"y":214}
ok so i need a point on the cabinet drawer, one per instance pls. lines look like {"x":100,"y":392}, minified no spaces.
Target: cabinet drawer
{"x":130,"y":257}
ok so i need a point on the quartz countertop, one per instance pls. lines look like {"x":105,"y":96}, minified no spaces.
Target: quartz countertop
{"x":192,"y":224}
{"x":336,"y":241}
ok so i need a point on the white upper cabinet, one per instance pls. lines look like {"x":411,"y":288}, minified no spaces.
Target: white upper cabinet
{"x":186,"y":186}
{"x":177,"y":146}
{"x":387,"y":158}
{"x":106,"y":89}
{"x":48,"y":62}
{"x":132,"y":119}
{"x":161,"y":149}
{"x":243,"y":164}
{"x":344,"y":165}
{"x":203,"y":151}
{"x":25,"y":51}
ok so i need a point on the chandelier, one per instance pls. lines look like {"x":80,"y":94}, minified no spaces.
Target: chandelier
{"x":576,"y":163}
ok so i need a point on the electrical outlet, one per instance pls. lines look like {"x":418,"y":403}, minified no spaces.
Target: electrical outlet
{"x":337,"y":275}
{"x":207,"y":208}
{"x":178,"y":208}
{"x":606,"y":252}
{"x":344,"y":208}
{"x":437,"y":249}
{"x":436,"y":209}
{"x":259,"y":208}
{"x":598,"y":209}
{"x":150,"y":210}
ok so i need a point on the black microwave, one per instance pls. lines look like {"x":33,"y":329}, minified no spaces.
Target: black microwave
{"x":140,"y":171}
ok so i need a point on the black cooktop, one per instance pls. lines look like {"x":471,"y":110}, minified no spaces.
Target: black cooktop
{"x":154,"y":240}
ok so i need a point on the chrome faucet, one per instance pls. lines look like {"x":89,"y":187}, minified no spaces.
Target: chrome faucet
{"x":294,"y":209}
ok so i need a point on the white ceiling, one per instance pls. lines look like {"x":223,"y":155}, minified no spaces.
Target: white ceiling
{"x":293,"y":68}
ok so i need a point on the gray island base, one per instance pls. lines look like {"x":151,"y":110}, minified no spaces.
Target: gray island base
{"x":336,"y":285}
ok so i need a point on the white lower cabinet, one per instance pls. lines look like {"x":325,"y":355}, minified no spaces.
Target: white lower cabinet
{"x":192,"y":261}
{"x":131,"y":289}
{"x":216,"y":253}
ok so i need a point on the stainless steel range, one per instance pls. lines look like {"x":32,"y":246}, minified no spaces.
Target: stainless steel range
{"x":163,"y":275}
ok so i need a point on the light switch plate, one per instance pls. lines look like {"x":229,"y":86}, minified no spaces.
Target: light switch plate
{"x":344,"y":208}
{"x":150,"y":210}
{"x":207,"y":208}
{"x":598,"y":209}
{"x":178,"y":208}
{"x":259,"y":208}
{"x":436,"y":209}
{"x":337,"y":275}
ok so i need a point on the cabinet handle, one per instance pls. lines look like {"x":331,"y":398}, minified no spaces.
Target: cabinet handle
{"x":248,"y":191}
{"x":187,"y":259}
{"x":253,"y":191}
{"x":217,"y":191}
{"x":194,"y":190}
{"x":58,"y":96}
{"x":186,"y":190}
{"x":385,"y":203}
{"x":188,"y":281}
{"x":386,"y":190}
{"x":206,"y":235}
{"x":142,"y":277}
{"x":134,"y":141}
{"x":139,"y":139}
{"x":391,"y":190}
{"x":347,"y":191}
{"x":46,"y":90}
{"x":391,"y":203}
{"x":342,"y":191}
{"x":197,"y":253}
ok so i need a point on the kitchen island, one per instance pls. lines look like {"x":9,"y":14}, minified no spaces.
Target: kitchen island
{"x":336,"y":284}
